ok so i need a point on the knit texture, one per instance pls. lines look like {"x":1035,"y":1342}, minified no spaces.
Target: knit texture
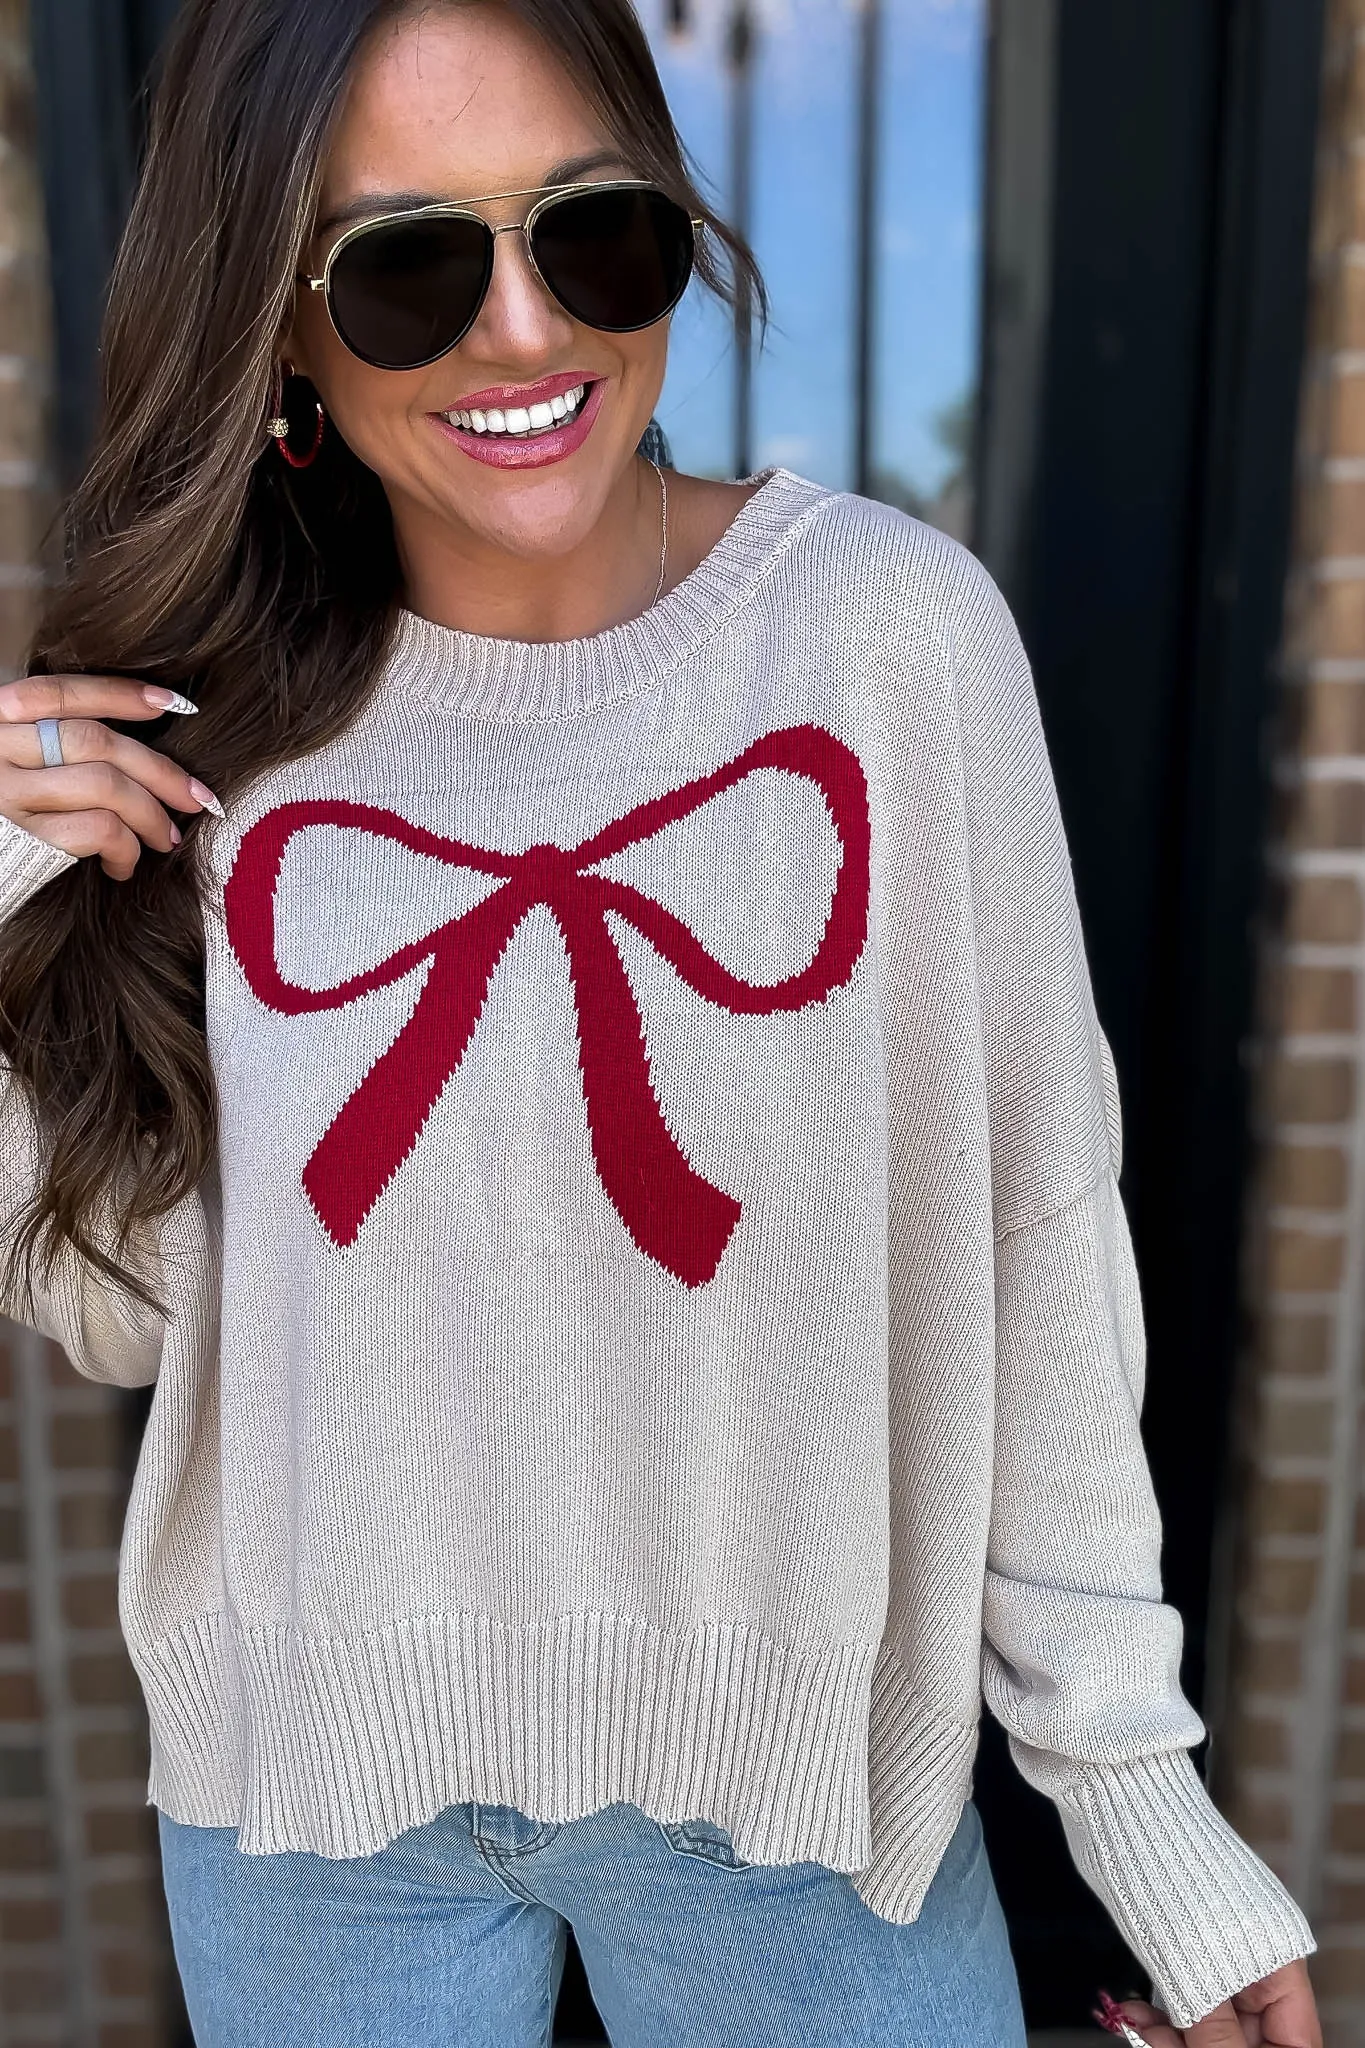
{"x":663,"y":1323}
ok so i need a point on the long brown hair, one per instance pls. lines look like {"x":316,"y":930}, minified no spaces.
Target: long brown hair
{"x":195,"y":558}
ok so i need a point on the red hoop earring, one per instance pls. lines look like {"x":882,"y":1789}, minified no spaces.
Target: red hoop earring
{"x":277,"y":426}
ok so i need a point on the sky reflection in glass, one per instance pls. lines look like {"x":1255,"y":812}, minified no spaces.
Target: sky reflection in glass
{"x":804,"y":186}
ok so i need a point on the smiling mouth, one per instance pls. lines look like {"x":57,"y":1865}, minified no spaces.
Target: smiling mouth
{"x":522,"y":423}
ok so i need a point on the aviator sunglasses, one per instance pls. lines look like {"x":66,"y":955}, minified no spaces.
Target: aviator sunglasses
{"x":404,"y":288}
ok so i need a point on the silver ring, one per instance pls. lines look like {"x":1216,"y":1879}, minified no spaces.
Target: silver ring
{"x":50,"y":740}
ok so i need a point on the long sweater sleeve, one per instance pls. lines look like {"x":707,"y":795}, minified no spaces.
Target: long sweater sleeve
{"x":1081,"y":1656}
{"x":105,"y":1334}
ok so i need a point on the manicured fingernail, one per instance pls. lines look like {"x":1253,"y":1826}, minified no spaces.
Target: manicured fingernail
{"x":1108,"y":2016}
{"x":168,"y":700}
{"x":175,"y":833}
{"x":207,"y":798}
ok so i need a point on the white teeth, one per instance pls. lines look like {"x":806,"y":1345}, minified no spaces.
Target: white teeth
{"x":521,"y":420}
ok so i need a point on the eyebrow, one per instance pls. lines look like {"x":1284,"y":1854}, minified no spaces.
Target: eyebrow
{"x":368,"y":204}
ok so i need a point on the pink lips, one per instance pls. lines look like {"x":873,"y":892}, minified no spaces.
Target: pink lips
{"x":503,"y":395}
{"x":505,"y":451}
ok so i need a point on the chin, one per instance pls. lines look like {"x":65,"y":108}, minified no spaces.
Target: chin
{"x":545,"y":517}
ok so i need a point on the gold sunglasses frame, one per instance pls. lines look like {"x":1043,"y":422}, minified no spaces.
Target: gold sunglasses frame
{"x":545,"y":195}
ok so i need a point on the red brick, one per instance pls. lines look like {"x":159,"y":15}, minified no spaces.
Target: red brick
{"x":1330,"y":625}
{"x":1350,"y":1756}
{"x":19,"y":1696}
{"x":1317,"y":999}
{"x":102,"y":1681}
{"x":30,"y":1920}
{"x":1337,"y":1972}
{"x":1348,"y":1826}
{"x":91,"y":1521}
{"x":1345,"y":406}
{"x":31,"y":1988}
{"x":1271,"y":1666}
{"x":1305,"y":1176}
{"x":26,"y":1847}
{"x":1335,"y":521}
{"x":1257,"y":1742}
{"x":1281,"y":1586}
{"x":130,"y":1973}
{"x":14,"y":1617}
{"x":1259,"y":1818}
{"x":91,"y":1602}
{"x":61,"y":1373}
{"x":131,"y":1907}
{"x":1303,"y":1261}
{"x":1343,"y":1903}
{"x":1295,"y":1429}
{"x":1325,"y":910}
{"x":1295,"y":1343}
{"x":1286,"y":1507}
{"x":121,"y":1830}
{"x":80,"y":1442}
{"x":111,"y":1753}
{"x":13,"y":1543}
{"x":1319,"y":814}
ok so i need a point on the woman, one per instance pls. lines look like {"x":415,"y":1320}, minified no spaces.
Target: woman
{"x":595,"y":1123}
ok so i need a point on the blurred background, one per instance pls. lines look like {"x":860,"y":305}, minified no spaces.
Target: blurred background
{"x":1082,"y":282}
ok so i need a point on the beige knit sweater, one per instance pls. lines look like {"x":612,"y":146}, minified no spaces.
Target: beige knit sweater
{"x":664,"y":1324}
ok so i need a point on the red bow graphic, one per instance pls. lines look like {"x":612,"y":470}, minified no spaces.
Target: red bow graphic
{"x":672,"y":1213}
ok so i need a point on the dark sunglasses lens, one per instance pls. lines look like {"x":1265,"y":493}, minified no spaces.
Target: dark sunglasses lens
{"x":403,"y":294}
{"x":616,"y":260}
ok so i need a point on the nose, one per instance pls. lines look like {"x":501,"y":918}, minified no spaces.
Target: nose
{"x":518,"y":321}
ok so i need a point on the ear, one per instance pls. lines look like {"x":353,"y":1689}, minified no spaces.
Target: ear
{"x":291,"y":354}
{"x":290,"y":348}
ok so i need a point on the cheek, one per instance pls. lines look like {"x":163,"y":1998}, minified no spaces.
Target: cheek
{"x":643,"y":360}
{"x":647,"y":354}
{"x":369,"y":406}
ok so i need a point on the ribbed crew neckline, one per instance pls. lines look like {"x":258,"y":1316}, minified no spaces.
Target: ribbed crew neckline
{"x":520,"y":680}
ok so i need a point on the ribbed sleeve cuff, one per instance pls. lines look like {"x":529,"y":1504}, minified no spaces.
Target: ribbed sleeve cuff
{"x":1194,"y":1903}
{"x":26,"y":862}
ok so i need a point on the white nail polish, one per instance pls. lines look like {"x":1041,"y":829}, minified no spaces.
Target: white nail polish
{"x":168,"y":700}
{"x":207,"y":798}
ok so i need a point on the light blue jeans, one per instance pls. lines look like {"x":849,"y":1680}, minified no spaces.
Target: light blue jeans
{"x":453,"y":1936}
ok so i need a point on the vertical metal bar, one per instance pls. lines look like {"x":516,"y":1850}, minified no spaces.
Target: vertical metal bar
{"x":740,"y":51}
{"x":865,"y":241}
{"x":1016,"y":283}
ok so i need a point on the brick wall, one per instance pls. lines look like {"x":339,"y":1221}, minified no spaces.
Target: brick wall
{"x":84,"y":1954}
{"x":84,"y":1959}
{"x":1288,"y":1758}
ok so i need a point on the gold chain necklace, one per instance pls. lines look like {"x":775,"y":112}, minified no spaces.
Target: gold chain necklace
{"x":663,"y":529}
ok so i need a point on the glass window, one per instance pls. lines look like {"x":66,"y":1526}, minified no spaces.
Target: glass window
{"x":792,"y":119}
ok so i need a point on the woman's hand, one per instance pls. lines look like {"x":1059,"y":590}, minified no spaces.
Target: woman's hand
{"x":1277,"y":2012}
{"x":111,"y":796}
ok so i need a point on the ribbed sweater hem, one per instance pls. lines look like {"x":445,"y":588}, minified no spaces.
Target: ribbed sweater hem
{"x":338,"y":1745}
{"x":1206,"y":1915}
